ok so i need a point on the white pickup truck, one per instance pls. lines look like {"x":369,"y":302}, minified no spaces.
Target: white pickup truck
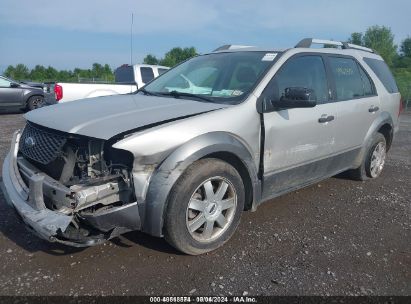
{"x":128,"y":78}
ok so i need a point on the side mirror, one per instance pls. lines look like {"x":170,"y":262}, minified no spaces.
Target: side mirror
{"x":295,"y":97}
{"x":14,"y":85}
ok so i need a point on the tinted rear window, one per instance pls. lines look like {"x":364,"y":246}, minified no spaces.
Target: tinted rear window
{"x":382,"y":71}
{"x":125,"y":74}
{"x":147,"y":74}
{"x":161,"y":71}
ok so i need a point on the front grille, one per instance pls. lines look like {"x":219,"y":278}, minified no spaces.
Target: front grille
{"x":41,"y":145}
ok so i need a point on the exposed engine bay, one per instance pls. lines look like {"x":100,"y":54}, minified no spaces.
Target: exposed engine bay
{"x":82,"y":177}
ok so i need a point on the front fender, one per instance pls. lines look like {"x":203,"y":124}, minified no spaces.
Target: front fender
{"x":178,"y":161}
{"x":30,"y":93}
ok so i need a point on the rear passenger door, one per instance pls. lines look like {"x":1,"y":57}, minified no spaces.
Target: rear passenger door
{"x":356,"y":102}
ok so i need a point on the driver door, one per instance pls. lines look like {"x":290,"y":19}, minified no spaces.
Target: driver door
{"x":299,"y":141}
{"x":9,"y":96}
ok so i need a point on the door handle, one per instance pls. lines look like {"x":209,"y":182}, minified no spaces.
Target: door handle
{"x":373,"y":109}
{"x":324,"y":119}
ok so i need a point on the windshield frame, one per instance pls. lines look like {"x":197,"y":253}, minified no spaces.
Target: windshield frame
{"x":226,"y":100}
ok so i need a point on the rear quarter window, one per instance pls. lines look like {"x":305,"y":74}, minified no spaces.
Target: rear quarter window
{"x":383,"y":73}
{"x":161,"y":71}
{"x":147,"y":74}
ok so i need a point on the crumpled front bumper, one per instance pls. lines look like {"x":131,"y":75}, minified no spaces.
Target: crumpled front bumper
{"x":28,"y":201}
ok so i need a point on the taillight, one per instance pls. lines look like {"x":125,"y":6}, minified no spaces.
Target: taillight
{"x":401,"y":106}
{"x":58,"y":92}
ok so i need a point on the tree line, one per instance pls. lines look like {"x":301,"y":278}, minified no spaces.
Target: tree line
{"x":172,"y":57}
{"x":398,"y":58}
{"x":98,"y":72}
{"x":40,"y":73}
{"x":379,"y":38}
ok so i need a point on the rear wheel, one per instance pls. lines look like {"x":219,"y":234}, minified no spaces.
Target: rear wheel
{"x":204,"y":207}
{"x":35,"y":102}
{"x":374,"y":160}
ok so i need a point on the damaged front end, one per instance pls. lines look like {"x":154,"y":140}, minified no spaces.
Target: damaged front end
{"x":70,"y":189}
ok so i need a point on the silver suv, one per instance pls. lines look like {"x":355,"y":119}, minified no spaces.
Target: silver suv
{"x":214,"y":136}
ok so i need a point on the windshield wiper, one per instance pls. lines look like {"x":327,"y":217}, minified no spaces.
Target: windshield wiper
{"x":147,"y":92}
{"x":177,"y":94}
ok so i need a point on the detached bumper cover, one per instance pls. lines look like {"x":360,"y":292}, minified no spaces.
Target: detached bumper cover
{"x":28,"y":204}
{"x":51,"y":225}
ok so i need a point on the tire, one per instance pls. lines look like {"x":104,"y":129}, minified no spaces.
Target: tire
{"x":35,"y":102}
{"x":208,"y":189}
{"x":374,"y":160}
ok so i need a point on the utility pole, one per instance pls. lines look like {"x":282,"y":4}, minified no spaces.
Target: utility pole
{"x":131,"y":39}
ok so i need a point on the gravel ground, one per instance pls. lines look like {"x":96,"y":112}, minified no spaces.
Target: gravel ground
{"x":338,"y":237}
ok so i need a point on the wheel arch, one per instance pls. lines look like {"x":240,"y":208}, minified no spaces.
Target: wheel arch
{"x":28,"y":96}
{"x":242,"y":169}
{"x":221,"y":145}
{"x":388,"y":132}
{"x":382,"y":124}
{"x":33,"y":93}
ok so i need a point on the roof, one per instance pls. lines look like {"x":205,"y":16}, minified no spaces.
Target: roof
{"x":329,"y":46}
{"x":249,"y":49}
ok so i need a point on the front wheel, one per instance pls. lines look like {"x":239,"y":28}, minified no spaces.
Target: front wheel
{"x":204,"y":207}
{"x":35,"y":102}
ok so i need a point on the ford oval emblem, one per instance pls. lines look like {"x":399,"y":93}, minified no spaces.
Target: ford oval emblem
{"x":29,"y":142}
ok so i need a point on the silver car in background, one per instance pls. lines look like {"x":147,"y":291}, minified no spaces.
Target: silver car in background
{"x":216,"y":135}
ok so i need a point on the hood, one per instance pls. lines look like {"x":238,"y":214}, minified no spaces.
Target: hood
{"x":105,"y":117}
{"x":30,"y":85}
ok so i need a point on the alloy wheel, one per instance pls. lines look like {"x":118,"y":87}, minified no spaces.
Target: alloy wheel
{"x":378,"y":159}
{"x":211,"y":209}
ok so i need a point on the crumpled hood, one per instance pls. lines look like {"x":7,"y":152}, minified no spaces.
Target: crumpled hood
{"x":105,"y":117}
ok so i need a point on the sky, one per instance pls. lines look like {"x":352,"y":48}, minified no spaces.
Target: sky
{"x":76,"y":33}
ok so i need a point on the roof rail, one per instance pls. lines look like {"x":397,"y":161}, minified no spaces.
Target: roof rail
{"x":359,"y":47}
{"x":231,"y":47}
{"x":307,"y":42}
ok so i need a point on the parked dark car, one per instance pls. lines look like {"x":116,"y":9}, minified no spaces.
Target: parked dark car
{"x":16,"y":95}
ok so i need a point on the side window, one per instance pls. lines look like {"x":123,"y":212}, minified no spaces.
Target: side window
{"x":348,"y":82}
{"x":367,"y":84}
{"x":147,"y":74}
{"x":161,"y":71}
{"x":302,"y":71}
{"x":383,"y":73}
{"x":4,"y":83}
{"x":124,"y":74}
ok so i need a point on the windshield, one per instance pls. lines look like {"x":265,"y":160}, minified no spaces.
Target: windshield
{"x":221,"y":77}
{"x":9,"y":79}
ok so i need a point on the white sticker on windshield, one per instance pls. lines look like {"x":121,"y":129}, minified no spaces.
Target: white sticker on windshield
{"x":269,"y":57}
{"x":236,"y":93}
